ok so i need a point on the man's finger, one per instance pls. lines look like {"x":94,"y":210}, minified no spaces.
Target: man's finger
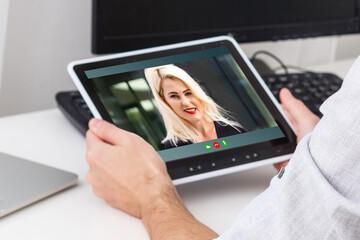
{"x":92,"y":140}
{"x":290,"y":117}
{"x":292,"y":105}
{"x":280,"y":165}
{"x":98,"y":152}
{"x":108,"y":132}
{"x":93,"y":146}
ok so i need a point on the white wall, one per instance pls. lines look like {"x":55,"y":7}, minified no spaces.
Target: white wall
{"x":43,"y":36}
{"x":348,"y":47}
{"x":4,"y":10}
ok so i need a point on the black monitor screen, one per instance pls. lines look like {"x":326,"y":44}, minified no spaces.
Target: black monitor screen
{"x":127,"y":25}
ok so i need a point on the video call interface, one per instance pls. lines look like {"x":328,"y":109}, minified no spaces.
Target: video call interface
{"x":126,"y":94}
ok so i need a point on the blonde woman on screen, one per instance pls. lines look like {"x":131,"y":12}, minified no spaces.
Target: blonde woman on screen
{"x":190,"y":116}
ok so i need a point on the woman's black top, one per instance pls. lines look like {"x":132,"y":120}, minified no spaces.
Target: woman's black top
{"x":223,"y":130}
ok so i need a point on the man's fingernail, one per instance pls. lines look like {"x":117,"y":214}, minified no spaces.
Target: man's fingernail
{"x":94,"y":123}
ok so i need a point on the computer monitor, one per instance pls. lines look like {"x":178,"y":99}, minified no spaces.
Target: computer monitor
{"x":120,"y":26}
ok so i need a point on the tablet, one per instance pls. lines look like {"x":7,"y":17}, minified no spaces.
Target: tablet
{"x":200,"y":104}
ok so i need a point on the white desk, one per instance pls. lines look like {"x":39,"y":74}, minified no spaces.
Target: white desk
{"x":47,"y":137}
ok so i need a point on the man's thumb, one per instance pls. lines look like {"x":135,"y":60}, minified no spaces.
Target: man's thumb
{"x":106,"y":131}
{"x":292,"y":105}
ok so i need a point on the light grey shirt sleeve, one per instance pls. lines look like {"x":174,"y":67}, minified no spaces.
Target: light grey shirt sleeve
{"x":318,"y":197}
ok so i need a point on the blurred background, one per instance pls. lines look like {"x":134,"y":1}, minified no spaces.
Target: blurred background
{"x":38,"y":38}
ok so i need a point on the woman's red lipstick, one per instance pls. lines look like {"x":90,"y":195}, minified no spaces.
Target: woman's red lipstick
{"x":190,"y":110}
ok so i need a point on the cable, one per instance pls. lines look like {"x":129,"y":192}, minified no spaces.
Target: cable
{"x":282,"y":65}
{"x":293,"y":67}
{"x":271,"y":55}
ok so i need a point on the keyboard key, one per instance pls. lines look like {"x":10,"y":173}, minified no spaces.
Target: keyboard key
{"x":275,"y":92}
{"x":317,"y":95}
{"x":305,"y":83}
{"x":305,"y":98}
{"x":278,"y":86}
{"x":294,"y":76}
{"x":315,"y":83}
{"x":329,"y":93}
{"x":271,"y":79}
{"x":290,"y":85}
{"x":312,"y":89}
{"x":334,"y":87}
{"x":283,"y":79}
{"x":298,"y":90}
{"x":322,"y":88}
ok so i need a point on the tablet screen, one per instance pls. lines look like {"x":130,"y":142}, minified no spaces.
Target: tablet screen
{"x":190,"y":104}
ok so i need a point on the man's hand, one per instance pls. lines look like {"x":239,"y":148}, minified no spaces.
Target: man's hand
{"x":303,"y":120}
{"x":130,"y":175}
{"x":124,"y":170}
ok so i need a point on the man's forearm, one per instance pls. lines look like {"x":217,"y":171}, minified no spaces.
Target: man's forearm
{"x":166,"y":217}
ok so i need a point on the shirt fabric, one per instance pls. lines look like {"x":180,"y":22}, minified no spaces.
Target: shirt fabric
{"x":318,"y":196}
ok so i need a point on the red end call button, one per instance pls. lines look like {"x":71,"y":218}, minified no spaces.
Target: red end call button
{"x":217,"y":145}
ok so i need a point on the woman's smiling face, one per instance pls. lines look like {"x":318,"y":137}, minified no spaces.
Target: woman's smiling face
{"x":181,"y":99}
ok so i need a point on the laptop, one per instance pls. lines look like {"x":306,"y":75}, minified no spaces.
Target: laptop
{"x":23,"y":182}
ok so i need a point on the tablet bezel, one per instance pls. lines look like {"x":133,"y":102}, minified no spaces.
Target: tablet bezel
{"x":213,"y":164}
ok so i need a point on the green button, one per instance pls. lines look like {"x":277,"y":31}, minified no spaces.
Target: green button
{"x":208,"y":146}
{"x":224,"y":142}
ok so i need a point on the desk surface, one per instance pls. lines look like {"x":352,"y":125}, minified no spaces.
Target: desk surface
{"x":47,"y":137}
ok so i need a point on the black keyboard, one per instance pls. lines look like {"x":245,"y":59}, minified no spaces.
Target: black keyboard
{"x":75,"y":109}
{"x":312,"y":88}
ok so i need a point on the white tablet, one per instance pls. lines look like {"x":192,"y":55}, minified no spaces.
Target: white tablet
{"x":200,"y":104}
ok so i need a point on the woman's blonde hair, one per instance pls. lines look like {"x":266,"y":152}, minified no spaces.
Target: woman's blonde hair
{"x":177,"y":128}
